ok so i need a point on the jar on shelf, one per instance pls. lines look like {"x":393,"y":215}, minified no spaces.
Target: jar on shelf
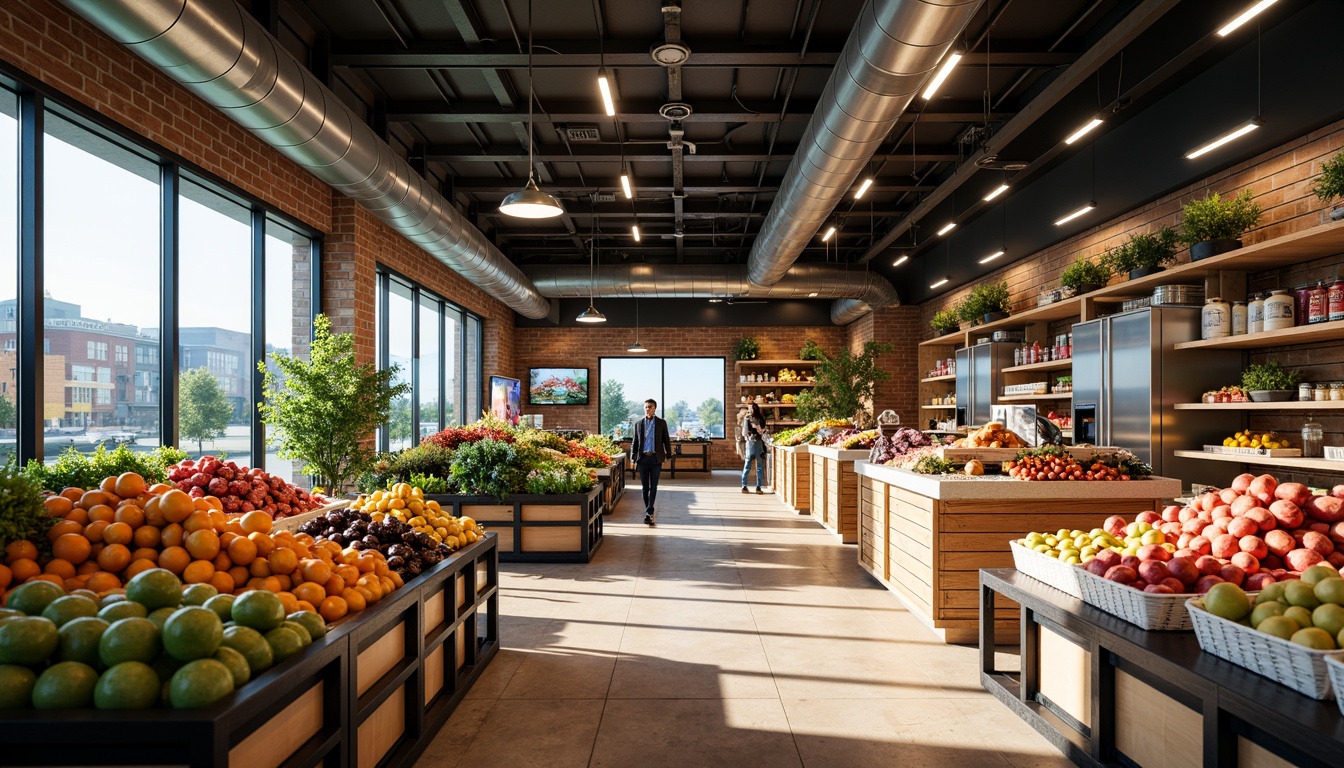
{"x":1318,"y":304}
{"x":1320,"y":392}
{"x":1313,"y":440}
{"x":1336,"y":390}
{"x":1304,"y":392}
{"x":1334,"y":300}
{"x":1279,"y":310}
{"x":1239,"y":318}
{"x":1216,"y":319}
{"x":1302,"y":303}
{"x":1255,"y":314}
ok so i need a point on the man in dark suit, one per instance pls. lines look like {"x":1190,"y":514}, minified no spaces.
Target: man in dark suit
{"x":652,"y":444}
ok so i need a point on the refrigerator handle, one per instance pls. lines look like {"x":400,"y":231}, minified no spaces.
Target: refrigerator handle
{"x":1104,"y":422}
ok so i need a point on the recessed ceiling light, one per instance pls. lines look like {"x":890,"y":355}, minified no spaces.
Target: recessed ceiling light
{"x":625,"y":186}
{"x":863,"y":188}
{"x":948,"y":227}
{"x":904,"y":258}
{"x":1246,"y":16}
{"x":1076,"y":214}
{"x":829,"y":231}
{"x":1081,"y":132}
{"x":997,"y":191}
{"x":1225,"y":138}
{"x":939,"y":283}
{"x":716,"y":301}
{"x":991,"y":257}
{"x":948,"y":65}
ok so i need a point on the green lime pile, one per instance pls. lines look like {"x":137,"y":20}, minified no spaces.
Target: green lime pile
{"x":1309,"y":612}
{"x":157,"y":644}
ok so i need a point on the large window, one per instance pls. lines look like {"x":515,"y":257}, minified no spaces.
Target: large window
{"x":289,"y":312}
{"x":689,"y":391}
{"x":9,"y":268}
{"x":436,"y":347}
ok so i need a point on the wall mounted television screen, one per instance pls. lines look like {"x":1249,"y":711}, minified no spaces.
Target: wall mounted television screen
{"x":557,"y":386}
{"x":506,"y":398}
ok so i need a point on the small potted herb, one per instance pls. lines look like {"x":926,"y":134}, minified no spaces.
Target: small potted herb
{"x":747,"y":349}
{"x":1269,"y":382}
{"x":1144,"y":254}
{"x":986,"y":303}
{"x":811,"y":351}
{"x":945,"y":320}
{"x":1084,"y":275}
{"x":1330,"y":184}
{"x":1215,"y":225}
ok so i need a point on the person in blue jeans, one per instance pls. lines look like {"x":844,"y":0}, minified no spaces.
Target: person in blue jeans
{"x":652,"y":444}
{"x":753,"y":432}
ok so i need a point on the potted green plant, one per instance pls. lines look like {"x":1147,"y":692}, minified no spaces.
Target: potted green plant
{"x":990,"y":301}
{"x":747,"y":348}
{"x":945,"y":320}
{"x":1215,"y":225}
{"x":1330,"y":184}
{"x":811,"y":351}
{"x":1144,"y":254}
{"x":1269,"y":382}
{"x":1084,"y":275}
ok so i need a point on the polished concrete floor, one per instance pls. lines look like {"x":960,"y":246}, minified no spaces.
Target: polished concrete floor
{"x":736,"y":632}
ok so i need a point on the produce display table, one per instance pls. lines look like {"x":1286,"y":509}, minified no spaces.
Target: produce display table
{"x":687,"y":456}
{"x":794,"y":470}
{"x":536,"y":528}
{"x":835,"y":490}
{"x":1105,"y":692}
{"x":925,"y":536}
{"x":374,"y":691}
{"x":613,"y":483}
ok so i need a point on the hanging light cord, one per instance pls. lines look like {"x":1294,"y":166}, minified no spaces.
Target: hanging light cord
{"x":531,"y":176}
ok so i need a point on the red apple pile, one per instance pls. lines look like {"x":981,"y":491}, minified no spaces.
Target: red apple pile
{"x":240,"y":489}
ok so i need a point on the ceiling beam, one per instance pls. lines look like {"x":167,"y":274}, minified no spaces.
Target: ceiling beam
{"x":644,"y":153}
{"x":583,"y":54}
{"x":589,"y":111}
{"x":692,"y":186}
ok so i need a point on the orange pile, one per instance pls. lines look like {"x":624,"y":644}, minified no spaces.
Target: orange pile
{"x":105,"y":537}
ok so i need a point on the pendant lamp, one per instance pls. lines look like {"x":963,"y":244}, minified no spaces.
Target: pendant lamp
{"x":530,"y":202}
{"x":636,"y":347}
{"x":591,"y":315}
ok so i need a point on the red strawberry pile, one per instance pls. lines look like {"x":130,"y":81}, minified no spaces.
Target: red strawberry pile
{"x":455,"y":436}
{"x":241,"y":489}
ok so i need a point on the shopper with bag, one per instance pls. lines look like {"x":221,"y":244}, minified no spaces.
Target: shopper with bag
{"x":754,"y":431}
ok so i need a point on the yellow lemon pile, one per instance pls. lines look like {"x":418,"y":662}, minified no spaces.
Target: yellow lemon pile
{"x":408,"y":504}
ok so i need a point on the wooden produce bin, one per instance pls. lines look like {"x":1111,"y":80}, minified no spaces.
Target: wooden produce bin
{"x":613,"y":483}
{"x":373,"y":691}
{"x":559,"y":528}
{"x":795,"y":486}
{"x":940,"y":530}
{"x":835,"y":490}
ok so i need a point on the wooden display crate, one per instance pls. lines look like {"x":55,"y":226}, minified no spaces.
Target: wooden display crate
{"x":559,"y":528}
{"x":373,"y":691}
{"x":835,"y":491}
{"x":796,"y":485}
{"x":613,"y":483}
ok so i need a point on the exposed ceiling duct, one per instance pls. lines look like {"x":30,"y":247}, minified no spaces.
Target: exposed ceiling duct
{"x":856,"y":290}
{"x":219,"y":52}
{"x":894,"y":47}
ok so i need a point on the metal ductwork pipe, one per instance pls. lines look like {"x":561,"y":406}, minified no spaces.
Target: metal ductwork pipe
{"x":890,"y":54}
{"x":855,"y":290}
{"x":220,"y":53}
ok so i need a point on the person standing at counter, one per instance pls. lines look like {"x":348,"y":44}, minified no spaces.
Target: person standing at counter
{"x":753,"y":431}
{"x":654,"y":444}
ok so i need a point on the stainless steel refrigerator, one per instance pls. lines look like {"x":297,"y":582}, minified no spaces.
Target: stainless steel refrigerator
{"x":1128,"y":376}
{"x":978,"y":380}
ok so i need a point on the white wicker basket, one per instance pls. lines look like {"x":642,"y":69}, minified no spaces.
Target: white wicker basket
{"x":1145,"y":609}
{"x":1334,"y":664}
{"x":1290,"y":664}
{"x":1047,"y":569}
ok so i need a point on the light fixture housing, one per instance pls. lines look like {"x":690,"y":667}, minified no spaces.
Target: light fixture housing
{"x":904,"y":258}
{"x":625,"y":186}
{"x":634,"y":230}
{"x":1231,"y":135}
{"x":716,"y":301}
{"x":948,"y":227}
{"x":812,"y":295}
{"x":636,"y":347}
{"x":992,"y":256}
{"x":999,"y":190}
{"x":591,"y":315}
{"x":604,"y":86}
{"x":949,"y":64}
{"x":939,"y":284}
{"x":868,"y":182}
{"x":530,"y":203}
{"x":829,"y":232}
{"x":1245,"y":16}
{"x":1084,"y":130}
{"x":1075,"y":214}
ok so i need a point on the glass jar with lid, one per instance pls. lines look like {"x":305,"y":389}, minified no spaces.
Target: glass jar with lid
{"x":1313,"y":440}
{"x":1255,"y":314}
{"x":1239,"y":318}
{"x":1278,"y":310}
{"x":1320,"y":392}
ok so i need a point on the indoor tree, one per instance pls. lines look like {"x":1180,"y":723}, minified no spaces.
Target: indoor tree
{"x":845,"y":385}
{"x":326,"y":410}
{"x":204,"y":412}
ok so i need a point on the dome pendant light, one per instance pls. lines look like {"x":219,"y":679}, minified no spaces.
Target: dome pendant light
{"x":530,"y":202}
{"x":591,"y":315}
{"x":636,"y":347}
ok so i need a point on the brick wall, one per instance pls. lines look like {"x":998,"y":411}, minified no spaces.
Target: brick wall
{"x":581,"y":348}
{"x":1280,"y":180}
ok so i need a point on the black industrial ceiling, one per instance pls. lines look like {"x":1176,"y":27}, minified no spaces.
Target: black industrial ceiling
{"x":446,"y":83}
